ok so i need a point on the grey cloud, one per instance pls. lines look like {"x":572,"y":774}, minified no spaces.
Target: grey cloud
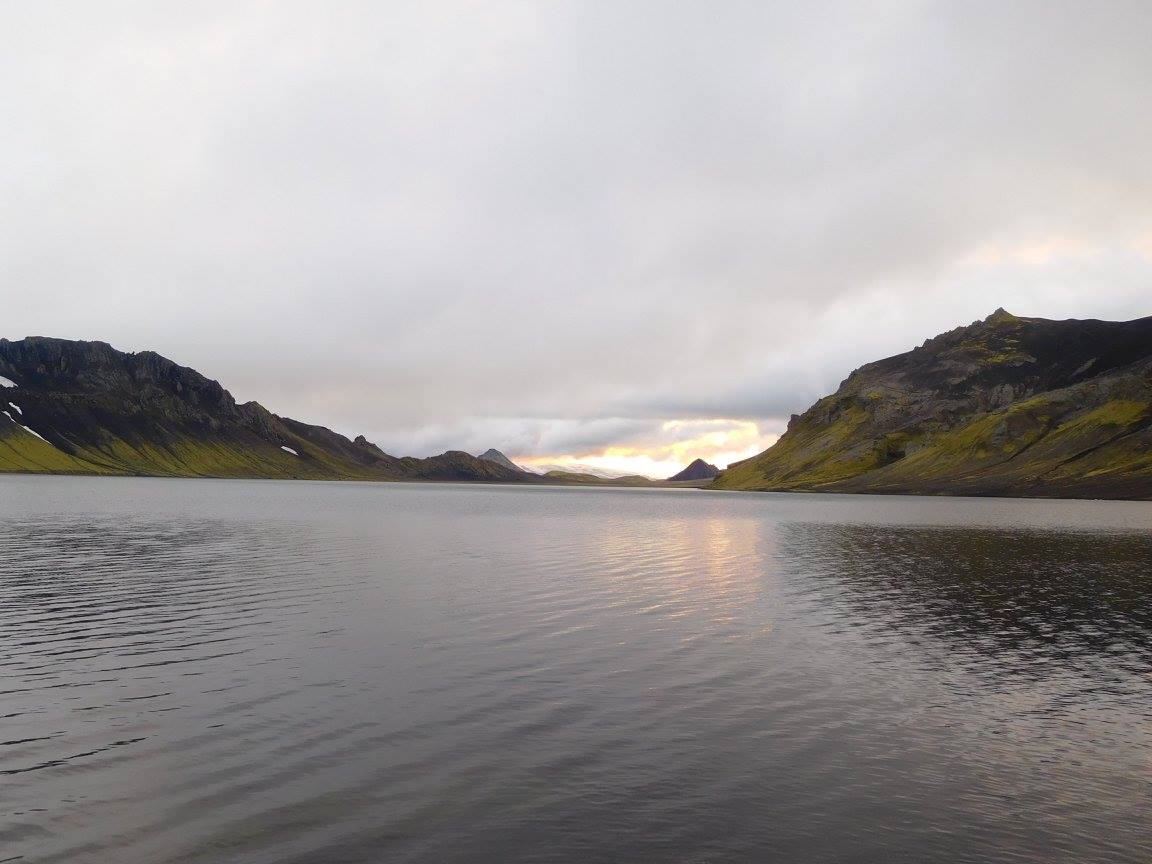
{"x":522,"y":436}
{"x":466,"y":225}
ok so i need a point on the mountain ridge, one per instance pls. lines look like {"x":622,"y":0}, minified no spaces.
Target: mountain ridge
{"x":87,"y":408}
{"x":582,"y":468}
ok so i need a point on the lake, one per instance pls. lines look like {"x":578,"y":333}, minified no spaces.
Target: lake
{"x":234,"y":671}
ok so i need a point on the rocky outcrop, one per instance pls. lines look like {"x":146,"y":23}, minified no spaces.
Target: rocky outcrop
{"x":1005,"y":406}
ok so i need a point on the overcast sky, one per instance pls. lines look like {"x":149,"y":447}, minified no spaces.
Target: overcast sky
{"x":558,"y":228}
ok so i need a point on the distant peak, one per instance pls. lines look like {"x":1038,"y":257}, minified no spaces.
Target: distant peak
{"x":697,"y":469}
{"x":494,"y":455}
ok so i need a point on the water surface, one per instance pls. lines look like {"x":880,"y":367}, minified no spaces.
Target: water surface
{"x":227,"y":671}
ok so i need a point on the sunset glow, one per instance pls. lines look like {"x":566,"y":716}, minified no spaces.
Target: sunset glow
{"x":720,"y":441}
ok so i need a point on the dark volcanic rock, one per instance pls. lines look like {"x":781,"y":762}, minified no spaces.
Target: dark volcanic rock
{"x":697,"y":469}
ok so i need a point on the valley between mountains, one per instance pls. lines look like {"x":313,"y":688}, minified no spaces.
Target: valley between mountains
{"x":1006,"y":406}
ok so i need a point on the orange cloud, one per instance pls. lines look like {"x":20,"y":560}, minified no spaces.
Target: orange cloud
{"x":1035,"y":253}
{"x":720,"y":441}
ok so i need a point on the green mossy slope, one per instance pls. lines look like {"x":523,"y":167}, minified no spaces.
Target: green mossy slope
{"x":1006,"y":406}
{"x":102,"y":411}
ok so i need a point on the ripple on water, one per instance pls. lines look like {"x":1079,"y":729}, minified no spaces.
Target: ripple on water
{"x":298,"y":672}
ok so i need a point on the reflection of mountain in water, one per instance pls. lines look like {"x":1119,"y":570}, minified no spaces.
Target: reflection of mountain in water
{"x":1034,"y":603}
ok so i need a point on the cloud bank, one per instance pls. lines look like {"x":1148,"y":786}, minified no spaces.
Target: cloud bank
{"x":552,"y":227}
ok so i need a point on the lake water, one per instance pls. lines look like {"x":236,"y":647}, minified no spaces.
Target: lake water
{"x":229,"y":671}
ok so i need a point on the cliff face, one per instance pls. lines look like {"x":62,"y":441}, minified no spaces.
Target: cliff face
{"x":1005,"y":406}
{"x":84,"y":407}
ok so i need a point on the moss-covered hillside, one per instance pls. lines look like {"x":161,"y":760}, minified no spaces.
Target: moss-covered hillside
{"x":85,"y":408}
{"x":1006,"y":406}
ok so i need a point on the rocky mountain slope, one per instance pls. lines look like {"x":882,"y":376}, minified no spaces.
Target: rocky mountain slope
{"x":85,"y":408}
{"x":1006,"y":406}
{"x":494,"y":455}
{"x":697,"y":469}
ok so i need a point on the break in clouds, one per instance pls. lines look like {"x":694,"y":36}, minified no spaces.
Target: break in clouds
{"x":555,"y":228}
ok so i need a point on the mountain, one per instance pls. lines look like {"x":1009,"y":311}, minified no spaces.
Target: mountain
{"x":697,"y":469}
{"x":577,"y":468}
{"x":494,"y":455}
{"x":578,"y":478}
{"x":1006,"y":406}
{"x":85,"y":408}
